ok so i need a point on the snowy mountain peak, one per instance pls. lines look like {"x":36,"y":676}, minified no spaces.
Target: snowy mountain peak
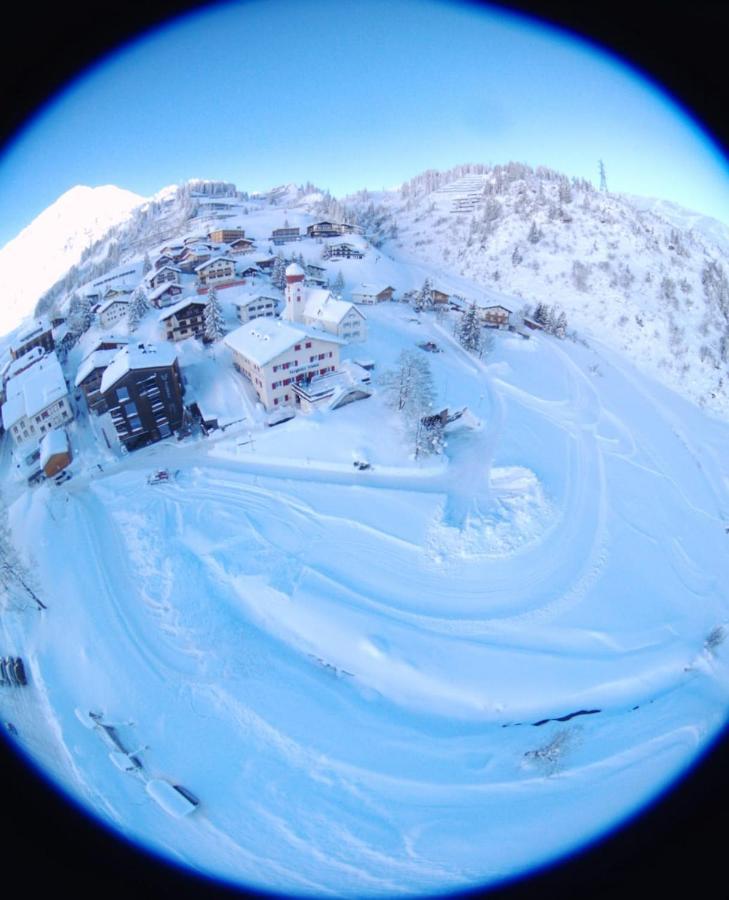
{"x":54,"y":241}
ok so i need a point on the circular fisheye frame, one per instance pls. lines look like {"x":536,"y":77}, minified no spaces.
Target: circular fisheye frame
{"x":365,"y":494}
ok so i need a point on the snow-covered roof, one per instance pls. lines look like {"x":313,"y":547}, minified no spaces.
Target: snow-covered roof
{"x":371,"y":290}
{"x":33,"y":390}
{"x":262,"y":340}
{"x":95,"y":344}
{"x":107,"y":304}
{"x":151,"y":275}
{"x":211,"y":262}
{"x":23,"y":362}
{"x":181,"y":304}
{"x":98,"y":359}
{"x":162,"y":289}
{"x":53,"y":442}
{"x":137,"y":356}
{"x":34,"y":329}
{"x":322,"y":306}
{"x":295,"y":269}
{"x":248,"y":297}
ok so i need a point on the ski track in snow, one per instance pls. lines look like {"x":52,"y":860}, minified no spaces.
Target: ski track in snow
{"x":330,"y":662}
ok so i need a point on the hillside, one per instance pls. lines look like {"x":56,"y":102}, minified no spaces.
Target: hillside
{"x":645,"y":276}
{"x":54,"y":242}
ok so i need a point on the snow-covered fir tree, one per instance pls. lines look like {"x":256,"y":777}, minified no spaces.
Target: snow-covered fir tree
{"x":213,"y":318}
{"x":470,"y":330}
{"x":424,"y":297}
{"x":79,"y":314}
{"x":338,"y":286}
{"x":138,"y":308}
{"x":278,"y":272}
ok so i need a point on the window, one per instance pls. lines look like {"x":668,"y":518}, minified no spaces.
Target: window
{"x":122,"y":394}
{"x":308,"y":345}
{"x":135,"y":423}
{"x":130,"y":409}
{"x":297,"y":346}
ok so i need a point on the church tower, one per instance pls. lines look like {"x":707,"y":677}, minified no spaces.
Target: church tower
{"x":295,"y":293}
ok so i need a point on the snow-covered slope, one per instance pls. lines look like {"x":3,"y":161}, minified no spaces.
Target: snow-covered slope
{"x":646,"y":276}
{"x":53,"y":242}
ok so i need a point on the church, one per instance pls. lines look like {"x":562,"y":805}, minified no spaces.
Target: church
{"x":318,"y":308}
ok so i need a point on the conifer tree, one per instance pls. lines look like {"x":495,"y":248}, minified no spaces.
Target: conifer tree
{"x":213,"y":318}
{"x":338,"y":285}
{"x":138,"y":307}
{"x":469,"y":332}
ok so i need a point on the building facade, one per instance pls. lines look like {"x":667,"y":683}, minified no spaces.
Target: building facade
{"x":318,"y":308}
{"x":39,"y":334}
{"x":274,"y":356}
{"x":183,"y":320}
{"x":37,"y":401}
{"x":142,"y":389}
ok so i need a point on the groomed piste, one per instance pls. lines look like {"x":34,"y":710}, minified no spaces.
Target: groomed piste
{"x":426,"y":675}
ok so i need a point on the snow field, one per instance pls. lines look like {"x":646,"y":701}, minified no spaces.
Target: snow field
{"x":347,"y":667}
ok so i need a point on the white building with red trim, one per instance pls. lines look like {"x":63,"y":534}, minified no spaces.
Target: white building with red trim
{"x":318,"y":308}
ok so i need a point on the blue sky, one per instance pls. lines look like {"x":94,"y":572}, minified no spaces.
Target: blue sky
{"x":355,"y":95}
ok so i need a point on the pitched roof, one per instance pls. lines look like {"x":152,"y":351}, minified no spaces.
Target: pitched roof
{"x":322,"y":306}
{"x":55,"y":441}
{"x":33,"y":390}
{"x":98,"y":359}
{"x":212,"y":261}
{"x":262,"y":340}
{"x":107,"y":304}
{"x":371,"y":290}
{"x":137,"y":356}
{"x":180,"y":305}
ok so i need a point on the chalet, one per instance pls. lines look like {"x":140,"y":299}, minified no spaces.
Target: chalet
{"x":226,"y":235}
{"x":495,"y":316}
{"x":37,"y":334}
{"x":164,"y":260}
{"x":266,"y":265}
{"x":274,"y":356}
{"x":439,"y":297}
{"x":55,"y":452}
{"x":164,"y":295}
{"x":142,"y":389}
{"x":329,"y":229}
{"x":251,"y":306}
{"x":37,"y":401}
{"x":373,"y":293}
{"x":111,"y":293}
{"x":166,"y":274}
{"x":215,"y":271}
{"x":318,"y":308}
{"x":242,"y":245}
{"x":183,"y":320}
{"x":342,"y":251}
{"x":193,"y":256}
{"x":533,"y":324}
{"x":316,"y":275}
{"x":251,"y":272}
{"x":89,"y":375}
{"x":192,"y":239}
{"x":284,"y":235}
{"x":112,"y":311}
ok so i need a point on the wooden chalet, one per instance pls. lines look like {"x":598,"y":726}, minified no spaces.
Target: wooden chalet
{"x":183,"y":320}
{"x":439,"y":297}
{"x":373,"y":293}
{"x":241,"y":245}
{"x":164,"y":275}
{"x":193,"y":257}
{"x":266,"y":265}
{"x":165,"y":295}
{"x":495,"y":316}
{"x":215,"y":271}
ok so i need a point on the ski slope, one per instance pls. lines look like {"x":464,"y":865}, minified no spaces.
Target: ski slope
{"x":360,"y":674}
